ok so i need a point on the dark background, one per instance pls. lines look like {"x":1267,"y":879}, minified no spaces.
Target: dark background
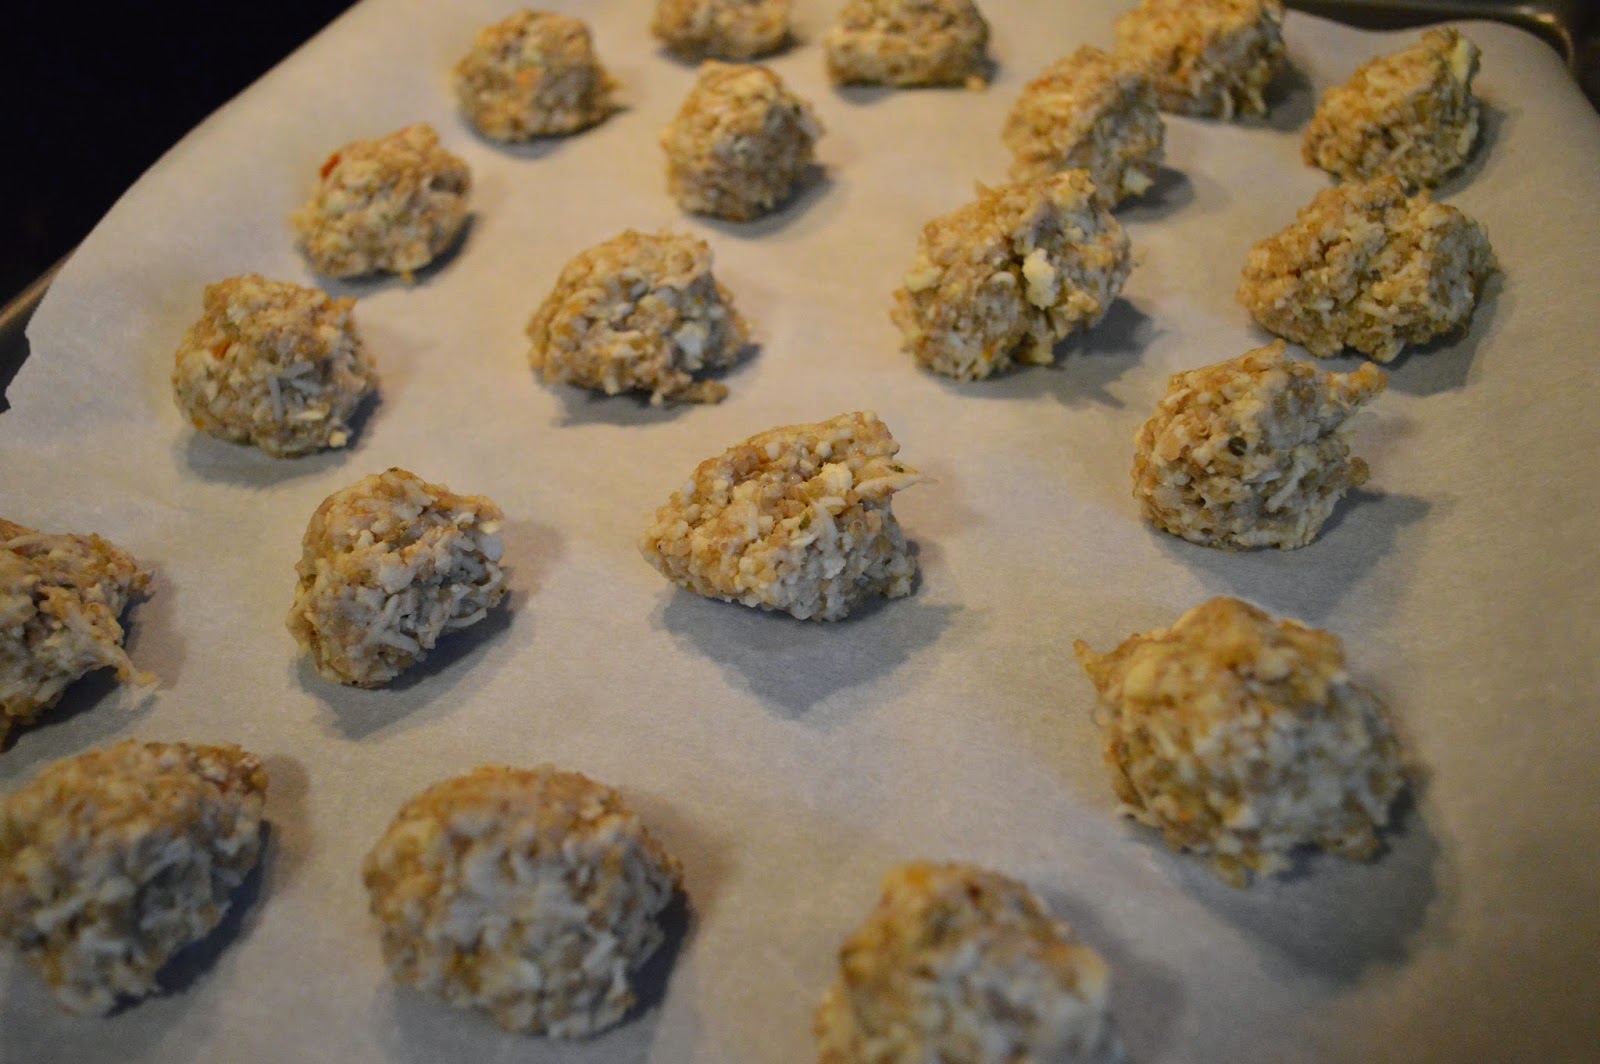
{"x":95,"y":93}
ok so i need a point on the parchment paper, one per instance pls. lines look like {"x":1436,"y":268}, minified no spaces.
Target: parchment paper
{"x":790,"y":764}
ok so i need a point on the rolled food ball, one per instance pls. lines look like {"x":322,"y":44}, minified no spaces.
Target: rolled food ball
{"x":61,"y":603}
{"x":275,"y":365}
{"x":533,"y":74}
{"x":1365,"y":266}
{"x":722,"y":29}
{"x":797,"y":518}
{"x":390,"y":205}
{"x":1243,"y":739}
{"x":1088,"y":112}
{"x":113,"y":861}
{"x":639,"y":312}
{"x":960,"y":964}
{"x":1251,"y":452}
{"x":1411,"y":115}
{"x":1004,"y":278}
{"x":533,"y":895}
{"x":908,"y":43}
{"x":387,"y":567}
{"x":741,"y":143}
{"x":1211,"y":58}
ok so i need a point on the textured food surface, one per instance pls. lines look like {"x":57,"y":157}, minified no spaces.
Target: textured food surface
{"x":722,"y":29}
{"x":789,"y":764}
{"x":740,"y":144}
{"x":1212,"y":58}
{"x":639,"y":312}
{"x":1006,"y":277}
{"x":958,"y":963}
{"x":1411,"y":115}
{"x":61,"y":600}
{"x":1365,"y":266}
{"x":1252,"y":452}
{"x":533,"y":74}
{"x":273,"y":364}
{"x":533,"y":895}
{"x":114,"y":860}
{"x":1088,"y":112}
{"x":795,"y":519}
{"x":1243,"y":739}
{"x":908,"y":43}
{"x":387,"y":567}
{"x":392,"y":205}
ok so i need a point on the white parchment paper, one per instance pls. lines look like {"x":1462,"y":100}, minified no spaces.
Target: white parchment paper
{"x":790,"y":764}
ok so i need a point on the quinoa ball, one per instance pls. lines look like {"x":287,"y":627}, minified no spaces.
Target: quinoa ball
{"x":958,"y":963}
{"x":113,"y":861}
{"x":1005,"y":277}
{"x":532,"y":895}
{"x":1243,"y":739}
{"x":1410,"y":115}
{"x":740,"y":145}
{"x":61,"y":597}
{"x":1251,"y":452}
{"x":639,"y":312}
{"x":387,"y":567}
{"x":908,"y":43}
{"x":273,"y":364}
{"x":1088,"y":112}
{"x":533,"y":74}
{"x":1210,"y":58}
{"x":1365,"y":266}
{"x":796,"y":519}
{"x":390,"y":205}
{"x":722,"y":29}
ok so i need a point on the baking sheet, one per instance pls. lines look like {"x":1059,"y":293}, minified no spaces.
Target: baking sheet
{"x":788,"y":764}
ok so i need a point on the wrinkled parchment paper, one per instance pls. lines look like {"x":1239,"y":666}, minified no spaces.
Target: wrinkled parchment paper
{"x":790,"y":764}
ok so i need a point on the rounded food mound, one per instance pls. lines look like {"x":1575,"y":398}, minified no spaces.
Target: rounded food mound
{"x":391,"y":205}
{"x":114,"y":860}
{"x":387,"y":567}
{"x":1243,"y":739}
{"x":1252,"y":452}
{"x":722,"y":29}
{"x":1364,"y":266}
{"x":1088,"y":112}
{"x":60,"y":600}
{"x":796,"y":519}
{"x":908,"y":43}
{"x":273,"y":364}
{"x":1010,"y":274}
{"x":533,"y":74}
{"x":741,"y":143}
{"x":1212,"y":58}
{"x":1411,"y":115}
{"x":639,"y":313}
{"x":958,"y":963}
{"x":533,"y":895}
